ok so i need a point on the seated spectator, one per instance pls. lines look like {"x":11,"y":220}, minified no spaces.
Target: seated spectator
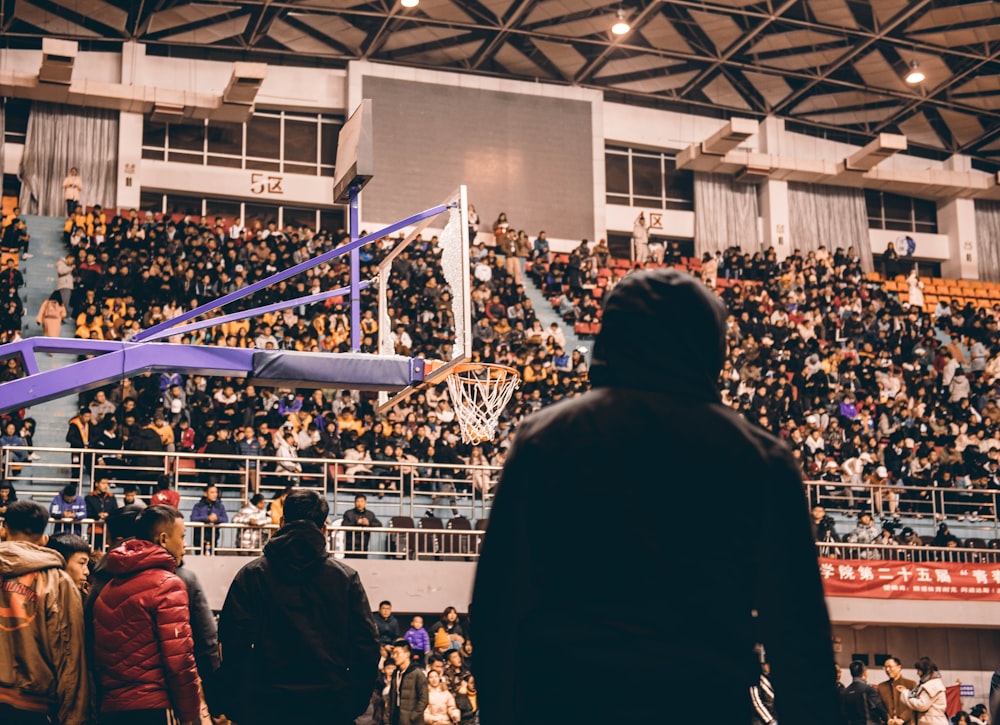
{"x":67,"y":507}
{"x":209,"y":511}
{"x":10,"y":437}
{"x":164,"y":495}
{"x":441,"y":708}
{"x":254,"y":515}
{"x":944,"y":537}
{"x":8,"y":495}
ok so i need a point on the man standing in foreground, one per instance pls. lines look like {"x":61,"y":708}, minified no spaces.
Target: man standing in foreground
{"x":899,"y":712}
{"x":43,"y":675}
{"x":143,"y":653}
{"x":657,"y":429}
{"x":297,"y":624}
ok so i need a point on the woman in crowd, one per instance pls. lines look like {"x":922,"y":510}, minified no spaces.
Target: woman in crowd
{"x":928,"y":698}
{"x":441,"y":707}
{"x":51,"y":315}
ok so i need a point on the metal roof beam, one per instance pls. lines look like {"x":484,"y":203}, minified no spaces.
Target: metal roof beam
{"x":901,"y":17}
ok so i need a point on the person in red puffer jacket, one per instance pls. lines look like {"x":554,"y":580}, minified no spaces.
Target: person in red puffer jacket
{"x":143,"y":653}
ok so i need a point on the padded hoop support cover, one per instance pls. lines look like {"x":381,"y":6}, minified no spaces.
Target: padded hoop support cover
{"x":359,"y":371}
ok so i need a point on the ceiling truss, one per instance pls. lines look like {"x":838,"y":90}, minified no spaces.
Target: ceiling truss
{"x":834,"y":66}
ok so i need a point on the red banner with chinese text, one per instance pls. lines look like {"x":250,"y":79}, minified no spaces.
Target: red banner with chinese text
{"x":907,"y":580}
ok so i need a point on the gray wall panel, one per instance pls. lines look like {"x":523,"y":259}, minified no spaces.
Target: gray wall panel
{"x":529,"y":156}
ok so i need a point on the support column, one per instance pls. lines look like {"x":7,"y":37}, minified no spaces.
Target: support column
{"x":130,"y":131}
{"x":774,"y":194}
{"x":957,"y":220}
{"x":774,"y":213}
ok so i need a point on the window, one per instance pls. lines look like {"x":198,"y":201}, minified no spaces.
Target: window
{"x":636,"y":177}
{"x":896,"y":212}
{"x":296,"y":143}
{"x":177,"y":204}
{"x":16,"y":112}
{"x":225,"y":208}
{"x":264,"y":137}
{"x":297,"y":217}
{"x":251,"y":212}
{"x":151,"y":201}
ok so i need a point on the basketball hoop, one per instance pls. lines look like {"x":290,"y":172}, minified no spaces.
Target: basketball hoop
{"x":479,"y":392}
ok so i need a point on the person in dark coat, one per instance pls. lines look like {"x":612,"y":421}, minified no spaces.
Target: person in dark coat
{"x":297,"y":624}
{"x":653,"y":424}
{"x":862,"y":704}
{"x":356,"y":542}
{"x":386,"y":624}
{"x":408,"y":696}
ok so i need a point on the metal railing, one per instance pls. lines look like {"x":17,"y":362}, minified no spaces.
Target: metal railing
{"x":977,"y":505}
{"x":376,"y":542}
{"x":910,"y":553}
{"x":403,"y":487}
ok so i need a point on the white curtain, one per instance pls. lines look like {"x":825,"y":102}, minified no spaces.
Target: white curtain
{"x":60,"y":137}
{"x":988,"y":239}
{"x":832,"y":216}
{"x":725,"y":214}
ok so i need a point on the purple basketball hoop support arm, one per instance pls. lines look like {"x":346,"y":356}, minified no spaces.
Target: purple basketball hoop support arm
{"x":115,"y":361}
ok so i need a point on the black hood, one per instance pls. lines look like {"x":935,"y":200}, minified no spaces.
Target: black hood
{"x":661,"y":330}
{"x":297,"y":550}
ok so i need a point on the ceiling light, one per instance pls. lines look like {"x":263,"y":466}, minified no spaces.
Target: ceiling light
{"x":621,"y":26}
{"x":915,"y":75}
{"x":409,"y":3}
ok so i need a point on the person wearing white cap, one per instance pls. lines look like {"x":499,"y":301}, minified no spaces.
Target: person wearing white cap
{"x":881,"y":485}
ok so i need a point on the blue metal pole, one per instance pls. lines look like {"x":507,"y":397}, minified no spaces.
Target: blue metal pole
{"x":355,"y":274}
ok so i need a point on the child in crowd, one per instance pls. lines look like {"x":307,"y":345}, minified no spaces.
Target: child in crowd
{"x":418,"y":638}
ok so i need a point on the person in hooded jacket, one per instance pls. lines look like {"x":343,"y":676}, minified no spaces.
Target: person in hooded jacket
{"x":652,"y":419}
{"x":297,"y":624}
{"x":43,"y":674}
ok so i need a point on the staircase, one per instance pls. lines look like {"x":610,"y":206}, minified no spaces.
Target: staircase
{"x":51,"y":418}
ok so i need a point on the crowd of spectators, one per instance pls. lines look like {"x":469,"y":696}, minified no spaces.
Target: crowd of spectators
{"x":892,"y":407}
{"x":126,"y":272}
{"x":14,"y":240}
{"x":881,"y":401}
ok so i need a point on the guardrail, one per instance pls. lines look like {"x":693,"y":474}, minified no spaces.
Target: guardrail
{"x":405,"y":487}
{"x":914,"y":503}
{"x":423,"y":543}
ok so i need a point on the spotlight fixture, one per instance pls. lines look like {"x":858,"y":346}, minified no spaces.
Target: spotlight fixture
{"x":915,"y":75}
{"x":621,"y":25}
{"x":409,"y":3}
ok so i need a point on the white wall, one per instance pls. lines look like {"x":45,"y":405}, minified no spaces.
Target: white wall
{"x":674,"y":223}
{"x":929,"y":246}
{"x":212,"y":181}
{"x":650,"y":128}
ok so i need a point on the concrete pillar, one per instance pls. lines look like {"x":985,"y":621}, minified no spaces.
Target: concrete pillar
{"x":770,"y":135}
{"x":774,"y":215}
{"x":130,"y":131}
{"x":774,"y":194}
{"x":957,"y":220}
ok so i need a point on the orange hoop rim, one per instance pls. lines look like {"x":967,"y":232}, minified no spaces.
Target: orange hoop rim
{"x":469,"y":367}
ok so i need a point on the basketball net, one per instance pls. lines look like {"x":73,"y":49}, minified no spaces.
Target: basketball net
{"x":479,"y":392}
